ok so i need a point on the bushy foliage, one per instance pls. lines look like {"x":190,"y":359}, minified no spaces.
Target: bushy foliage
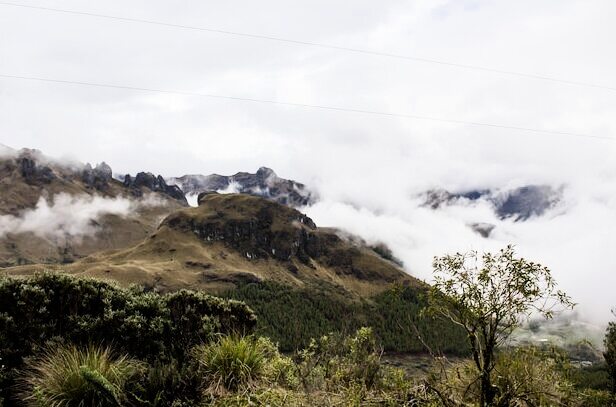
{"x":72,"y":377}
{"x":167,"y":384}
{"x":333,"y":361}
{"x":523,"y":377}
{"x":333,"y":370}
{"x":595,"y":377}
{"x":293,"y":316}
{"x":196,"y":317}
{"x":610,"y":353}
{"x":350,"y":368}
{"x":398,"y":319}
{"x":149,"y":326}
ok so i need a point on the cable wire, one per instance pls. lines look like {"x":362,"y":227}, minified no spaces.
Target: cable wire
{"x":303,"y":105}
{"x":320,"y":45}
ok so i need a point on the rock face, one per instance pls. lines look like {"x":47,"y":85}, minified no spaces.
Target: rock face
{"x":267,"y":230}
{"x":33,"y":172}
{"x":153,"y":183}
{"x":264,"y":183}
{"x":97,"y":177}
{"x":519,"y":204}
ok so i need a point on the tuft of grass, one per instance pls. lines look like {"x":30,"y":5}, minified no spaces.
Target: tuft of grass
{"x":70,"y":377}
{"x":232,"y":363}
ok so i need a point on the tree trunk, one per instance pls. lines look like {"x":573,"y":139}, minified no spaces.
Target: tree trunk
{"x":487,"y":391}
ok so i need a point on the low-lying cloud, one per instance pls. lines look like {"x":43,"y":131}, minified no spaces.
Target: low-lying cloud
{"x":66,"y":216}
{"x":574,"y":239}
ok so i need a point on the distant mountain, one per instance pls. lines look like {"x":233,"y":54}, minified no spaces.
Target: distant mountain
{"x":520,"y":204}
{"x":264,"y":183}
{"x":36,"y":190}
{"x":232,"y":239}
{"x":153,"y":183}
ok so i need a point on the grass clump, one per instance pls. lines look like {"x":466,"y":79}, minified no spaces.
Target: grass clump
{"x":71,"y":376}
{"x":231,"y":363}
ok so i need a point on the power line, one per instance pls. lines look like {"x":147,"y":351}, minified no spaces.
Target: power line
{"x":321,"y":45}
{"x":303,"y":105}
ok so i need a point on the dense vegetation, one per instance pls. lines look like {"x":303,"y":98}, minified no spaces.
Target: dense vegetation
{"x":293,"y":316}
{"x":73,"y":342}
{"x":48,"y":310}
{"x":610,"y":353}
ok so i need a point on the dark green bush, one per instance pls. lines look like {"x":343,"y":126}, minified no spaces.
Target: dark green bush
{"x":196,"y":317}
{"x":595,"y":377}
{"x":167,"y":384}
{"x":149,"y":326}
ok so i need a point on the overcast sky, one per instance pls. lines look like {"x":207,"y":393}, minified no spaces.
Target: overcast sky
{"x":366,"y":167}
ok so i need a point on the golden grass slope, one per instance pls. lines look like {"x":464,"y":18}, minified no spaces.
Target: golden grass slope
{"x":237,"y":238}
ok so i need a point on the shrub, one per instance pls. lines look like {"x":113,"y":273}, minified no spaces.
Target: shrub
{"x":153,"y":327}
{"x":167,"y":384}
{"x":335,"y":361}
{"x":196,"y":318}
{"x":69,"y":376}
{"x":279,"y":370}
{"x":231,"y":363}
{"x":521,"y":377}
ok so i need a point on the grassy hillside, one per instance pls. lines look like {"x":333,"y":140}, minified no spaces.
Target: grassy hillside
{"x":303,"y":281}
{"x":234,"y":239}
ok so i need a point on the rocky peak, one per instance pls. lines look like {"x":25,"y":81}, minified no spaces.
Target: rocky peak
{"x":31,"y":170}
{"x":264,"y":183}
{"x":104,"y":170}
{"x":97,"y":177}
{"x":153,"y":183}
{"x":265,"y":174}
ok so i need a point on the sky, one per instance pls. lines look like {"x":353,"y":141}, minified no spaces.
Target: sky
{"x":367,"y":169}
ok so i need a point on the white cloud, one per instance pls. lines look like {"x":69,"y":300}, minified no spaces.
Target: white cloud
{"x":67,"y":216}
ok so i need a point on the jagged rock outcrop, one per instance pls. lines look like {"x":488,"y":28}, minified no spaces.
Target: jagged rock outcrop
{"x":266,"y":231}
{"x":33,"y":185}
{"x":153,"y":183}
{"x":31,"y":171}
{"x":264,"y":183}
{"x":97,"y":177}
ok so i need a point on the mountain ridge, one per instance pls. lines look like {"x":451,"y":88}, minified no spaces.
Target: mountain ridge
{"x":236,"y":238}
